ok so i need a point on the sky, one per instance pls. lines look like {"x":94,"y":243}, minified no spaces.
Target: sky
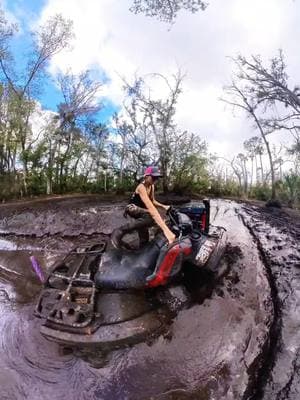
{"x":115,"y":43}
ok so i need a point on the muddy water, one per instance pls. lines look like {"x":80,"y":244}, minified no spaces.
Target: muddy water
{"x":213,"y":350}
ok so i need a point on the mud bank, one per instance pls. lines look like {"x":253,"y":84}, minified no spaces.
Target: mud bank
{"x":213,"y":350}
{"x":277,"y":235}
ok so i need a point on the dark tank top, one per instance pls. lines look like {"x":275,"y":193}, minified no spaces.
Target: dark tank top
{"x":136,"y":198}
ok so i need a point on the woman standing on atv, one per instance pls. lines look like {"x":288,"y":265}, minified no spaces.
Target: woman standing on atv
{"x":142,"y":207}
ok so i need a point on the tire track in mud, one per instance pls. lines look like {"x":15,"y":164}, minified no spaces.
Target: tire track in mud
{"x":256,"y":388}
{"x":276,"y":235}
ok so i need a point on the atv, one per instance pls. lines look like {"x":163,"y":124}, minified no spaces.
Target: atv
{"x":100,"y":295}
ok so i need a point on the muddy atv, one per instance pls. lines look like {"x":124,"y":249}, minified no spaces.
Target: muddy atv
{"x":100,"y":295}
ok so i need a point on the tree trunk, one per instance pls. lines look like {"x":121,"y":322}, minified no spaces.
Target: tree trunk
{"x":256,"y":171}
{"x":251,"y":179}
{"x":105,"y":180}
{"x":262,"y":170}
{"x":273,"y":194}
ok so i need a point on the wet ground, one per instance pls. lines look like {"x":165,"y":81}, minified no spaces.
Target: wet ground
{"x":242,"y":342}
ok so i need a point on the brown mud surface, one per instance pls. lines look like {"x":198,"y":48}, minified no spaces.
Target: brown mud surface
{"x":241,"y":342}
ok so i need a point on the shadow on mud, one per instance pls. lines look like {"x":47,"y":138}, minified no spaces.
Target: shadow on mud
{"x":200,"y":283}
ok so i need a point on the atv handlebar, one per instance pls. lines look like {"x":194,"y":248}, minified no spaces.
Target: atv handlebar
{"x":172,"y":213}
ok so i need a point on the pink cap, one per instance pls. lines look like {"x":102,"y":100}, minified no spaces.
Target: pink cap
{"x":152,"y":171}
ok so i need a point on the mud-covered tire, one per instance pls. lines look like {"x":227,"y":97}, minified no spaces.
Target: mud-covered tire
{"x":175,"y":298}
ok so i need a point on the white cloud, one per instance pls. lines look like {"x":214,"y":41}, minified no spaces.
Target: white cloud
{"x":109,"y":37}
{"x":259,"y":21}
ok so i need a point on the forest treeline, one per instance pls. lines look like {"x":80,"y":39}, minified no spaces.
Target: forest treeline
{"x":71,"y":150}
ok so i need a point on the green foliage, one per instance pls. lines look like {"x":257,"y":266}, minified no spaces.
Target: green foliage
{"x":261,"y":192}
{"x":220,"y":188}
{"x":190,"y":174}
{"x":10,"y":186}
{"x":34,"y":156}
{"x":127,"y":184}
{"x":290,"y":189}
{"x":36,"y":183}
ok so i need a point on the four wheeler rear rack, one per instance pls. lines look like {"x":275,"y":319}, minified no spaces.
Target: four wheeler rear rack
{"x":68,"y":300}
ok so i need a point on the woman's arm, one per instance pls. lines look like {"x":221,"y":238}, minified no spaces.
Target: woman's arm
{"x":157,"y":203}
{"x":155,"y":214}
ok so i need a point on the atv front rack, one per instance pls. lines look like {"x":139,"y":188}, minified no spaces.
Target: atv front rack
{"x":68,"y":299}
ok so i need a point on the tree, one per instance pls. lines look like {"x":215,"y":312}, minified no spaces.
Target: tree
{"x":133,"y":127}
{"x":279,"y":101}
{"x":259,"y":151}
{"x":269,"y":86}
{"x":189,"y":161}
{"x":158,"y":114}
{"x":238,"y":167}
{"x":79,"y":93}
{"x":250,"y":147}
{"x":242,"y":94}
{"x":97,"y":134}
{"x":166,"y":10}
{"x":48,"y":40}
{"x":292,"y":184}
{"x":294,"y":151}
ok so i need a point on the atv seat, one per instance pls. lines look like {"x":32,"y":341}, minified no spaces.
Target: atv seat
{"x":121,"y":269}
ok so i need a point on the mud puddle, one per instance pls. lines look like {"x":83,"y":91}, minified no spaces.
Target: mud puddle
{"x":215,"y":350}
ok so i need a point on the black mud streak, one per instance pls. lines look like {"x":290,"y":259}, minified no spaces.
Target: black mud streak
{"x":261,"y":371}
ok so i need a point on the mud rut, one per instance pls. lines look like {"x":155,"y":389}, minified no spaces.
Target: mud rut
{"x":241,"y":343}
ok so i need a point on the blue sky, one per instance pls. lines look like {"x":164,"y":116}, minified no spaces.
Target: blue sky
{"x":26,"y":13}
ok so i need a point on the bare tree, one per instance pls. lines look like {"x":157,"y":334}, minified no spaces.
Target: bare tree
{"x":159,"y":115}
{"x":254,"y":148}
{"x":259,"y":151}
{"x":270,"y":86}
{"x":240,"y":94}
{"x":133,"y":127}
{"x":238,"y":171}
{"x":241,"y":160}
{"x":166,"y":10}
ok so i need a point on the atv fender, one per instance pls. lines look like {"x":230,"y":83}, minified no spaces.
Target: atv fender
{"x":169,"y":262}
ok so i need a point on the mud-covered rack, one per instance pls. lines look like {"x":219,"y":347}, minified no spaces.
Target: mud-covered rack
{"x":68,"y":298}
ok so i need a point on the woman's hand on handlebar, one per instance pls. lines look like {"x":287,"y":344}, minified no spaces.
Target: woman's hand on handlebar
{"x":171,"y":210}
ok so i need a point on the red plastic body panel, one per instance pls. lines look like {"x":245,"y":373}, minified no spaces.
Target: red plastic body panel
{"x":165,"y":267}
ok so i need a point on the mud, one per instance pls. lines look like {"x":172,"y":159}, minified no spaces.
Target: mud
{"x":241,"y":342}
{"x":277,"y":236}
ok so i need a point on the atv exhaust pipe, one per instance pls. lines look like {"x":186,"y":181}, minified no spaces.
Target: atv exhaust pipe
{"x":206,"y":216}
